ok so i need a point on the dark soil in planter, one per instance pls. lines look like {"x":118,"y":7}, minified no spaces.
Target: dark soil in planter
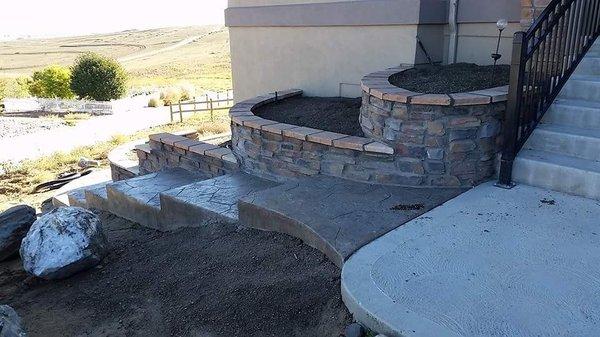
{"x":452,"y":78}
{"x":218,"y":280}
{"x":333,"y":114}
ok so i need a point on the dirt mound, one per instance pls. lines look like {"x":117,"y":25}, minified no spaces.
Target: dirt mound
{"x":214,"y":281}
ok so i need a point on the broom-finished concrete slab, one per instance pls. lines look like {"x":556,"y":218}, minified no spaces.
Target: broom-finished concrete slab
{"x":491,"y":262}
{"x":337,"y":216}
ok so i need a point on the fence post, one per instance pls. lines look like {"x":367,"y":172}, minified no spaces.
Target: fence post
{"x":180,"y":113}
{"x":513,"y":111}
{"x":171,"y":111}
{"x":212,"y":118}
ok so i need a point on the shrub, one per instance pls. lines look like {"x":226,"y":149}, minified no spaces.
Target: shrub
{"x":155,"y":102}
{"x":97,"y":77}
{"x":51,"y":82}
{"x":188,"y":91}
{"x":170,"y":95}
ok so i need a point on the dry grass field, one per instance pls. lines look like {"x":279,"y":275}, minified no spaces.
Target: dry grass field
{"x":163,"y":56}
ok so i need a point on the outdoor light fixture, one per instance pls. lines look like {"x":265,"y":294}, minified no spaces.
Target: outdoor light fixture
{"x":501,"y":24}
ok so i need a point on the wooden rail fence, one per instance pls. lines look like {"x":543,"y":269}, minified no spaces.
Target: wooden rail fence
{"x":221,"y":101}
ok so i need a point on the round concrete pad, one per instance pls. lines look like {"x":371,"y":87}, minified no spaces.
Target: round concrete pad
{"x":491,"y":262}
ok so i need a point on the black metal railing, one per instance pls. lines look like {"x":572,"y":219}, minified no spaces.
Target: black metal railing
{"x":543,"y":59}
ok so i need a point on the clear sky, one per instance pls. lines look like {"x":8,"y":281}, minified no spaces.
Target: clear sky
{"x":39,"y":18}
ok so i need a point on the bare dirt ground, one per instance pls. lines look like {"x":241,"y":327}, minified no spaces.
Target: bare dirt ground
{"x":216,"y":281}
{"x":333,"y":114}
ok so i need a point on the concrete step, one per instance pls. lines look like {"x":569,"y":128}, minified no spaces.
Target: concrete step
{"x":582,"y":87}
{"x":138,"y":199}
{"x":209,"y":200}
{"x":97,"y":198}
{"x":337,"y":216}
{"x":73,"y":193}
{"x":590,"y":65}
{"x":76,"y":197}
{"x":558,"y":173}
{"x":576,"y":113}
{"x":565,"y":140}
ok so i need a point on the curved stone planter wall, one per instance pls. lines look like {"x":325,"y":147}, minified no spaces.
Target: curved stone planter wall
{"x":280,"y":151}
{"x":444,"y":140}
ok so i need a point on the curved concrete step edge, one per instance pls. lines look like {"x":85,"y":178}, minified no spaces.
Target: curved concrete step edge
{"x":375,"y":310}
{"x":261,"y":218}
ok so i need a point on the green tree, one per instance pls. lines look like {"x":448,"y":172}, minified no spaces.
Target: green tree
{"x":14,"y":87}
{"x":97,"y":77}
{"x":51,"y":82}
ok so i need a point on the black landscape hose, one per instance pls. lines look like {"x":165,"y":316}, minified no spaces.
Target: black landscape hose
{"x":63,"y":179}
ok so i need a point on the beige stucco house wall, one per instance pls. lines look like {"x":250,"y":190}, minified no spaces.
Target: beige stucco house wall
{"x":326,"y":46}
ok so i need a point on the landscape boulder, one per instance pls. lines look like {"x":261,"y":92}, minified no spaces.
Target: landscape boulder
{"x":14,"y":224}
{"x":10,"y":323}
{"x":63,"y":242}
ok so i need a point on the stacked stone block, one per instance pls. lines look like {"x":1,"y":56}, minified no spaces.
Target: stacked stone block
{"x":281,"y":151}
{"x":446,"y":140}
{"x":168,"y":151}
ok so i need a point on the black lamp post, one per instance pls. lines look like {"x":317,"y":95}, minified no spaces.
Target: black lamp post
{"x":501,"y":24}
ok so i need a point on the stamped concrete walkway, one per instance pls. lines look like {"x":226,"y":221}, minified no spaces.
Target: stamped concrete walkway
{"x":337,"y":216}
{"x":491,"y":262}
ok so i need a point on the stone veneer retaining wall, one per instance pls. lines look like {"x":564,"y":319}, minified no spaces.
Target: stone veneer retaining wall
{"x":280,"y":151}
{"x":166,"y":150}
{"x":122,"y":166}
{"x":442,"y":140}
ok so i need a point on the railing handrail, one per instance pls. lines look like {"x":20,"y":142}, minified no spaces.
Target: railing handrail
{"x":544,"y":58}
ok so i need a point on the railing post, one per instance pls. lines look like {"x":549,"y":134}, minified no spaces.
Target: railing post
{"x":212,"y":119}
{"x":513,"y":111}
{"x":171,"y":111}
{"x":180,"y":113}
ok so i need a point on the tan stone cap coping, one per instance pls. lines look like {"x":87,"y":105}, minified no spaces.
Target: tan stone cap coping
{"x":377,"y":84}
{"x":195,"y":146}
{"x":242,"y":114}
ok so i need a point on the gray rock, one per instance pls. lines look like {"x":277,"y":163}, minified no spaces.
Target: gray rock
{"x":14,"y":224}
{"x":87,"y":163}
{"x":10,"y":323}
{"x":63,"y":242}
{"x":354,"y":330}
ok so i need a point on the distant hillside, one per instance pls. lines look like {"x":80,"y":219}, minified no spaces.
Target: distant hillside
{"x":199,"y":55}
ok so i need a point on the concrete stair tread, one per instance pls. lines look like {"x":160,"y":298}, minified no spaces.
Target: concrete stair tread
{"x":147,"y":188}
{"x":558,"y":172}
{"x":76,"y":197}
{"x":138,"y":199}
{"x":573,"y":112}
{"x":560,"y":160}
{"x":587,"y":78}
{"x":566,"y":140}
{"x":580,"y":103}
{"x":97,"y":198}
{"x":570,"y":130}
{"x":337,"y":216}
{"x":208,"y":200}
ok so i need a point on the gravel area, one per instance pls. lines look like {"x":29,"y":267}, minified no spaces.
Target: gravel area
{"x":324,"y":113}
{"x":452,"y":78}
{"x":18,"y":126}
{"x":214,"y":281}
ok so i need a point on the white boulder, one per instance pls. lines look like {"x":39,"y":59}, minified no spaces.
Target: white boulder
{"x":62,"y":242}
